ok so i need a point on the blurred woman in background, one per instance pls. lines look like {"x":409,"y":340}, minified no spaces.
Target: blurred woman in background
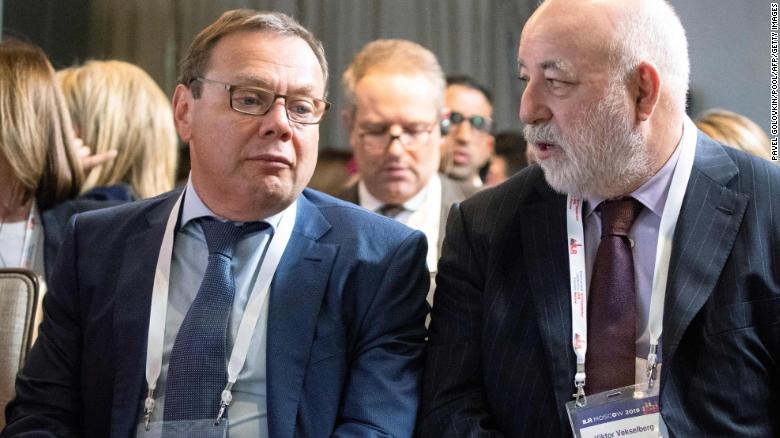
{"x":41,"y":172}
{"x":735,"y":130}
{"x":116,"y":106}
{"x":39,"y":167}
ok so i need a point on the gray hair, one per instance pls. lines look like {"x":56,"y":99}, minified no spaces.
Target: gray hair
{"x":654,"y":33}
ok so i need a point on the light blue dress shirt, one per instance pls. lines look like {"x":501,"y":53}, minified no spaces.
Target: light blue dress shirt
{"x":248,"y":413}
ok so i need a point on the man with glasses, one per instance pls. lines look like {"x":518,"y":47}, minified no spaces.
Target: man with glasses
{"x":395,"y":92}
{"x":244,"y":305}
{"x":468,"y":143}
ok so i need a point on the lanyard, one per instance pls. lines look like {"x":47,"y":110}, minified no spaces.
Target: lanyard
{"x":249,"y":319}
{"x":32,"y":230}
{"x":576,"y":239}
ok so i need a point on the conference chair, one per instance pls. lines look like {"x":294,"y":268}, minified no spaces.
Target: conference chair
{"x":19,"y":290}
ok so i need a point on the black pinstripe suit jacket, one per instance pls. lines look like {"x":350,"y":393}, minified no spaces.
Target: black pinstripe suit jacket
{"x":500,"y":363}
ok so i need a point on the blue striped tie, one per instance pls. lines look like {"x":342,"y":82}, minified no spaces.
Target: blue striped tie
{"x":197,"y":371}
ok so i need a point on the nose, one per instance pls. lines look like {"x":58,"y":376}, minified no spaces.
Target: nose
{"x":464,"y":131}
{"x":275,"y":122}
{"x":533,"y":108}
{"x":396,"y":146}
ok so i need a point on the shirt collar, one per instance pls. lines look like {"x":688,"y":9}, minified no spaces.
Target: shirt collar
{"x":193,"y":208}
{"x":652,"y":194}
{"x":370,"y":202}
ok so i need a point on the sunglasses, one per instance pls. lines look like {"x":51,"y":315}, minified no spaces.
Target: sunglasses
{"x":480,"y":123}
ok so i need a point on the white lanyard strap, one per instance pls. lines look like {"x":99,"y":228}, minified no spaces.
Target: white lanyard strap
{"x":663,"y":252}
{"x":578,"y":284}
{"x":157,"y":314}
{"x":254,"y":306}
{"x":575,"y":234}
{"x":32,"y":230}
{"x":252,"y":312}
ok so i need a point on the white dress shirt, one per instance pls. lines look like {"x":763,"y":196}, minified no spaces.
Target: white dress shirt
{"x":421,"y":212}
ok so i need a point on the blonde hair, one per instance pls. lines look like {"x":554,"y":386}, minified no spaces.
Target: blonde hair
{"x":197,"y":57}
{"x":36,"y":137}
{"x":117,"y":106}
{"x":395,"y":57}
{"x":736,"y":131}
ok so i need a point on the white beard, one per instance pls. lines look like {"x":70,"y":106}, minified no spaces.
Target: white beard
{"x":602,"y":155}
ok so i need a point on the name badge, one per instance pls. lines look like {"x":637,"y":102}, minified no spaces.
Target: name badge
{"x":205,"y":428}
{"x":631,"y":412}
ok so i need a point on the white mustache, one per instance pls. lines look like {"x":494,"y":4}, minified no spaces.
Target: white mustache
{"x":543,"y":133}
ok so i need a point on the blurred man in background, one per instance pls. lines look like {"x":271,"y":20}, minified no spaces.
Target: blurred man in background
{"x":468,"y":143}
{"x":395,"y":89}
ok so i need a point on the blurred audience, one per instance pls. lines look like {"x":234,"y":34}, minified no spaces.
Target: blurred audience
{"x":508,"y":158}
{"x":38,"y":163}
{"x":468,"y":143}
{"x":735,"y":130}
{"x":395,"y":91}
{"x":40,"y":171}
{"x":116,"y":106}
{"x":335,"y":171}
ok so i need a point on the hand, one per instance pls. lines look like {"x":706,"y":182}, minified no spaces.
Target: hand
{"x":90,"y":161}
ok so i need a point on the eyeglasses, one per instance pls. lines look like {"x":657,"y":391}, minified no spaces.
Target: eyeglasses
{"x":258,"y":101}
{"x":377,"y":138}
{"x":480,"y":123}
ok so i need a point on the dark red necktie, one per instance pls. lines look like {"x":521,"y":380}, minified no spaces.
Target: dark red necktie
{"x":611,"y":353}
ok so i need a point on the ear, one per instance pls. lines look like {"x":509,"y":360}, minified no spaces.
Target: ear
{"x":647,"y":84}
{"x":182,"y":112}
{"x":348,"y":119}
{"x":445,"y":124}
{"x":487,"y":153}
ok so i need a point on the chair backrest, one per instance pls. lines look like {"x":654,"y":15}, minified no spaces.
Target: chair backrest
{"x":18,"y":303}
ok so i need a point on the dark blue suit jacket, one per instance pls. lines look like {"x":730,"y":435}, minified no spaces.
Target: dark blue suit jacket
{"x":345,"y":328}
{"x":500,"y":361}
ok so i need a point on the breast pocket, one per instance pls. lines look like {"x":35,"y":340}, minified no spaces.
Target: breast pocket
{"x":326,"y":347}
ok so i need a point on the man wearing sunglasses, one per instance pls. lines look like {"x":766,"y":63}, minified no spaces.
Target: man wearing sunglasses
{"x":244,"y":305}
{"x":468,"y":143}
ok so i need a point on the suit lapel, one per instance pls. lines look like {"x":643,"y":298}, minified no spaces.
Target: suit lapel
{"x":451,"y":192}
{"x":710,"y":217}
{"x":296,"y":296}
{"x":131,"y":316}
{"x":448,"y":197}
{"x":543,"y":225}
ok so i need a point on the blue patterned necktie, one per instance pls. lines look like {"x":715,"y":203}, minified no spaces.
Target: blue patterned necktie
{"x":197,"y":370}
